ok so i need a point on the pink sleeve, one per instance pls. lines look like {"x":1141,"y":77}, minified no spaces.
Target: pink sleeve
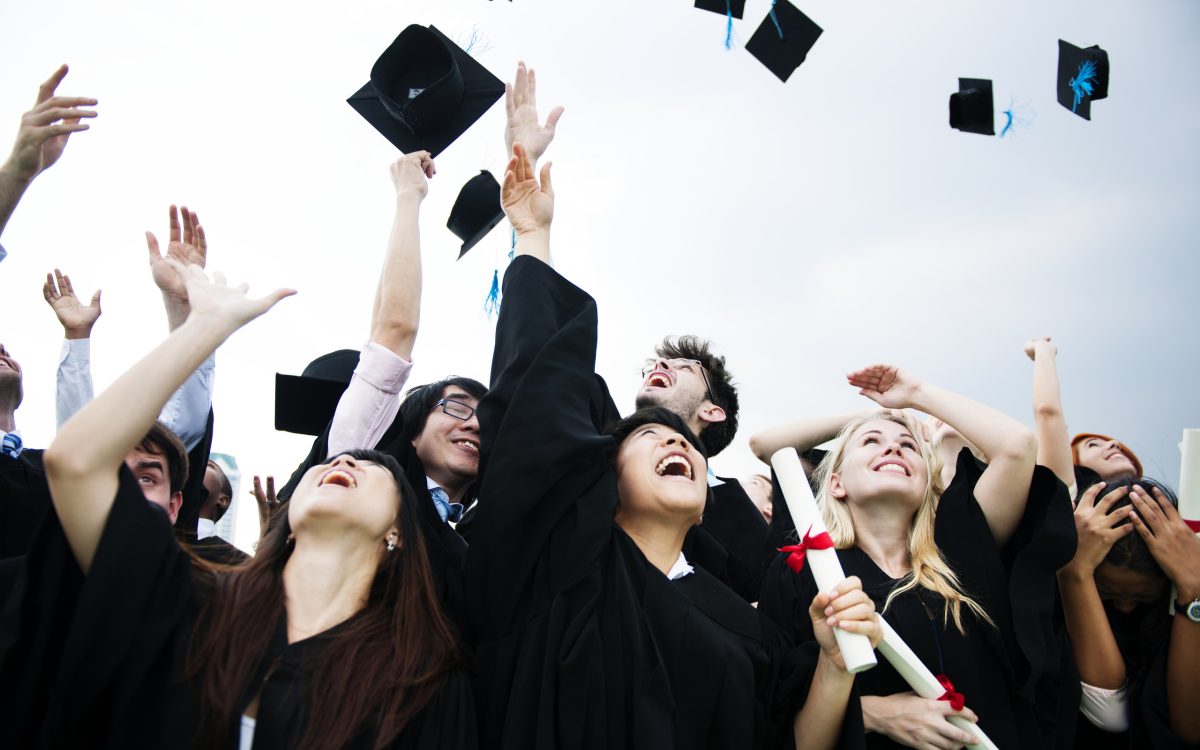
{"x":371,"y":401}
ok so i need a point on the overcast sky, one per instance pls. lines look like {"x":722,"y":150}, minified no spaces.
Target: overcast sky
{"x":808,"y":228}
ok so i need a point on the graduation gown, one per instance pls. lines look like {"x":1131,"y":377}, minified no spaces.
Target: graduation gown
{"x":1012,"y":674}
{"x":99,"y":661}
{"x":729,"y":542}
{"x":24,"y":499}
{"x":580,"y":642}
{"x":214,"y":549}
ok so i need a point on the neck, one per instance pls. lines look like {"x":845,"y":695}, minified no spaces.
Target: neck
{"x":883,"y":535}
{"x":325,"y":581}
{"x":8,"y":412}
{"x":455,"y":487}
{"x":659,"y":541}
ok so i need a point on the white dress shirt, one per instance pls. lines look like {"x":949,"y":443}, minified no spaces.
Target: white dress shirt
{"x":371,"y":401}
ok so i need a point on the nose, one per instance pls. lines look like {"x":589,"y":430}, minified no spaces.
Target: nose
{"x":677,"y":439}
{"x":1124,"y":606}
{"x":344,"y":460}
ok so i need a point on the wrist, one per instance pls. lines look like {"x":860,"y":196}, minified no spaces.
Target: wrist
{"x":870,"y":712}
{"x":74,"y":333}
{"x":1078,"y":573}
{"x":12,"y":179}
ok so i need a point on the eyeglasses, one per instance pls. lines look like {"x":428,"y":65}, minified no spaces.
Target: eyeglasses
{"x":686,"y":365}
{"x":456,"y":409}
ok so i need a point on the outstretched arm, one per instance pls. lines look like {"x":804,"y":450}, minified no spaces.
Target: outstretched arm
{"x":520,"y":104}
{"x":82,"y":470}
{"x":74,"y":380}
{"x":41,"y":140}
{"x":1053,"y":443}
{"x":396,"y":314}
{"x":1003,"y":489}
{"x":528,"y":205}
{"x":802,"y":434}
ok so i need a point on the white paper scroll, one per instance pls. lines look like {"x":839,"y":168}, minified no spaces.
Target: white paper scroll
{"x":826,"y":569}
{"x":1189,"y":476}
{"x":922,"y":681}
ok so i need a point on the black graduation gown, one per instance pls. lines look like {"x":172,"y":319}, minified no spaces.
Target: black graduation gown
{"x":24,"y":499}
{"x":580,"y":642}
{"x":729,"y":542}
{"x":194,"y":493}
{"x":1011,"y":674}
{"x":214,"y":549}
{"x":447,"y":549}
{"x":99,"y":661}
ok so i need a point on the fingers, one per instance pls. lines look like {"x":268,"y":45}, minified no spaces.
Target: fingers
{"x":201,"y":240}
{"x":96,"y":301}
{"x":545,"y":178}
{"x":46,"y":90}
{"x":508,"y":100}
{"x":48,"y":290}
{"x":1107,"y":501}
{"x":188,"y":227}
{"x":1146,"y":511}
{"x":552,"y":118}
{"x":520,"y":84}
{"x":47,"y":114}
{"x":64,"y":284}
{"x":531,"y":92}
{"x":523,"y":166}
{"x":1088,"y":500}
{"x":173,"y":217}
{"x":271,"y":488}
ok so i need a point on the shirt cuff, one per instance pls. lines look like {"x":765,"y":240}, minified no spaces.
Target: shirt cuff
{"x":79,"y":350}
{"x":382,"y":368}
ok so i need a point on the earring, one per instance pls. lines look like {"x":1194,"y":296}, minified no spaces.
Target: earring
{"x":391,"y":545}
{"x":291,"y":538}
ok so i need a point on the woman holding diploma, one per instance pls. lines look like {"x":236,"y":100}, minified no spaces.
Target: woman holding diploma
{"x":332,"y":636}
{"x":964,"y":575}
{"x":591,"y":629}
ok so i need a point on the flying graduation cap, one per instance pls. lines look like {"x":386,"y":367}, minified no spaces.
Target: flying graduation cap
{"x":425,"y":91}
{"x":733,"y":8}
{"x":476,"y":210}
{"x":971,"y":108}
{"x":1082,"y":77}
{"x":783,"y":39}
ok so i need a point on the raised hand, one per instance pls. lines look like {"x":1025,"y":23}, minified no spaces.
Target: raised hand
{"x":76,"y":318}
{"x":520,"y":102}
{"x":1096,"y":525}
{"x":528,"y":205}
{"x":411,"y":173}
{"x":46,"y":128}
{"x":917,"y":722}
{"x":187,"y":247}
{"x":1174,"y":546}
{"x":1041,"y":343}
{"x":846,"y":607}
{"x":267,"y":503}
{"x":228,"y":306}
{"x":886,"y":385}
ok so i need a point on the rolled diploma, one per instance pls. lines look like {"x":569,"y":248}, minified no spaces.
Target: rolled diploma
{"x":921,"y":680}
{"x":826,"y":569}
{"x":1189,"y":476}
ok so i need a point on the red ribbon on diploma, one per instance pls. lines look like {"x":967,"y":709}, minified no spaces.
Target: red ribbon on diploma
{"x":956,"y":700}
{"x":1193,"y":525}
{"x":795,"y":560}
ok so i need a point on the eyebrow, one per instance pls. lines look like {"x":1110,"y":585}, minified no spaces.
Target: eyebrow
{"x":880,"y":432}
{"x":144,"y":465}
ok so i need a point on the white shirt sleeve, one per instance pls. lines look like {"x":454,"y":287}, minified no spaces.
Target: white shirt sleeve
{"x":1107,"y":709}
{"x":371,"y":401}
{"x":74,"y":379}
{"x":186,"y":413}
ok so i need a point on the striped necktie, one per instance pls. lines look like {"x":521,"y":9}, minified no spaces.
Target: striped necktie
{"x":447,"y":510}
{"x":10,"y":444}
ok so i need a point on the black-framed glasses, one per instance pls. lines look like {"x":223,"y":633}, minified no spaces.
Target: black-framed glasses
{"x":456,"y":409}
{"x":686,"y":365}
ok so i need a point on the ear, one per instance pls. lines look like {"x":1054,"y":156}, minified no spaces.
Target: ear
{"x":223,"y":502}
{"x":176,"y":503}
{"x":710,"y":413}
{"x":393,"y":536}
{"x":836,"y":490}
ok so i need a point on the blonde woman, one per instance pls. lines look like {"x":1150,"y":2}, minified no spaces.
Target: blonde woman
{"x":964,"y":573}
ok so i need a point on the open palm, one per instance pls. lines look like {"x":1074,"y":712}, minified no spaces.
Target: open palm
{"x":886,"y":385}
{"x":528,"y":204}
{"x":186,"y":245}
{"x":71,"y":313}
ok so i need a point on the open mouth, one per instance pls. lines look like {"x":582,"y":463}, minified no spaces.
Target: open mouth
{"x":891,"y":467}
{"x":470,"y":445}
{"x":674,"y":465}
{"x":340,"y":478}
{"x":658,"y":379}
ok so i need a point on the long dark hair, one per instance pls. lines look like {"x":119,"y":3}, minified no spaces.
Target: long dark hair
{"x":384,"y":664}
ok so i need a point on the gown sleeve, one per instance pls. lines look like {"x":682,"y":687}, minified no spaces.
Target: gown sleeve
{"x":541,"y":449}
{"x":93,"y":661}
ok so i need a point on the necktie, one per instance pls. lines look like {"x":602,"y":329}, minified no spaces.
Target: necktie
{"x":447,"y":510}
{"x":10,"y":445}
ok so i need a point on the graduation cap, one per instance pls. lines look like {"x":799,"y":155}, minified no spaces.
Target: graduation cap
{"x":783,"y":39}
{"x":476,"y":210}
{"x":971,"y":107}
{"x":305,"y":404}
{"x":1082,"y":77}
{"x":733,"y":8}
{"x":425,"y":91}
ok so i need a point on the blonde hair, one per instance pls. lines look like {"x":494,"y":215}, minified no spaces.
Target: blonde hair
{"x":929,"y":569}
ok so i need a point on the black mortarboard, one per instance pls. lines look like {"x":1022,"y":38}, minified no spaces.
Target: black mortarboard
{"x":971,"y":107}
{"x":725,"y":7}
{"x":783,"y":39}
{"x":305,"y":404}
{"x":476,"y":210}
{"x":1082,"y":77}
{"x":425,"y":91}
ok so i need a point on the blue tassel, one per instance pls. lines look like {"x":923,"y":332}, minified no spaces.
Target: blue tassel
{"x":491,"y":305}
{"x":776,"y":20}
{"x":1081,"y":84}
{"x":476,"y":42}
{"x":1008,"y":123}
{"x":728,"y":24}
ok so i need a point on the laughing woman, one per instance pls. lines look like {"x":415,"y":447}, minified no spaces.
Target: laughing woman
{"x":965,"y":575}
{"x":331,"y":637}
{"x":591,"y":629}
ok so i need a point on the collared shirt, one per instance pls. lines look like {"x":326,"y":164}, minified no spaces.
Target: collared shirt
{"x":205,"y":528}
{"x":15,"y":432}
{"x":441,"y":500}
{"x":713,"y":481}
{"x":680,"y":569}
{"x":186,"y":413}
{"x":370,"y":403}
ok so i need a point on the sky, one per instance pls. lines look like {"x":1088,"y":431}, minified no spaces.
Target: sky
{"x":808,"y":228}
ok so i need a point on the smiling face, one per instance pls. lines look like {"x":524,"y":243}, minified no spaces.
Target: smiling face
{"x":882,"y":461}
{"x":660,"y":476}
{"x":676,"y":385}
{"x":449,"y":446}
{"x":354,"y":496}
{"x":10,"y":379}
{"x":1105,"y":457}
